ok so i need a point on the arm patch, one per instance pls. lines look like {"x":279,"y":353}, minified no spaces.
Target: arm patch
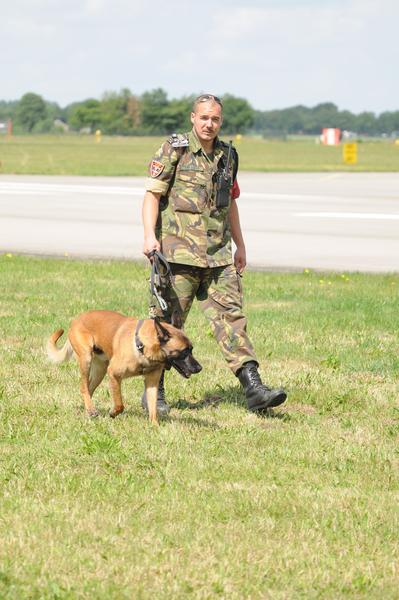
{"x":156,"y":168}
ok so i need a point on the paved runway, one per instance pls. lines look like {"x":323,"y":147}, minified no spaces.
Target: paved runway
{"x":341,"y":221}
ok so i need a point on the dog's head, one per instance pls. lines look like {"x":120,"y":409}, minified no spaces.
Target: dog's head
{"x":178,"y":350}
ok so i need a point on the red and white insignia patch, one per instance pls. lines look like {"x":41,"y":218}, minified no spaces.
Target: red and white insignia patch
{"x":156,"y":168}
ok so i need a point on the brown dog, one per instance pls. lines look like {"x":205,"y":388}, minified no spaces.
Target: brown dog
{"x":106,"y":341}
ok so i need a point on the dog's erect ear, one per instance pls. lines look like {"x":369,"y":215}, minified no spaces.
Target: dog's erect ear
{"x":162,"y":333}
{"x":177,"y":321}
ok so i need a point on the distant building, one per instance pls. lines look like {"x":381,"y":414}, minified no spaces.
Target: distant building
{"x":60,"y":124}
{"x":348,"y":135}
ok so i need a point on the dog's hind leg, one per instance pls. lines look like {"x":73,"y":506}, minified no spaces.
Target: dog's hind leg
{"x":98,"y":369}
{"x":85,"y":362}
{"x":83,"y":344}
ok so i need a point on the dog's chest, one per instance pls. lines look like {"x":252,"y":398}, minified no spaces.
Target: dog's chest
{"x":138,"y":365}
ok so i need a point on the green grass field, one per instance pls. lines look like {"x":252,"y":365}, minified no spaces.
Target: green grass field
{"x":81,"y":155}
{"x":217,"y":502}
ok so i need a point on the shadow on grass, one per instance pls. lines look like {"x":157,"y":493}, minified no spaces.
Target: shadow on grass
{"x":190,"y":420}
{"x":227,"y":395}
{"x":194,"y":422}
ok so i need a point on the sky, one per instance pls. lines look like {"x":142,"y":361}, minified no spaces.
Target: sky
{"x":274,"y":53}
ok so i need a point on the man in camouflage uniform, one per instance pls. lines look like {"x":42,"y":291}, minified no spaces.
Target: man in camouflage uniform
{"x":185,"y":218}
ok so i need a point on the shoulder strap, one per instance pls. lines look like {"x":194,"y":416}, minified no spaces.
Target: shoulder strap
{"x":234,"y":154}
{"x":178,"y":140}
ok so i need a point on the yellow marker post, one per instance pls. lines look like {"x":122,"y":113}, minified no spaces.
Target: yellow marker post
{"x":98,"y":136}
{"x":349,"y":153}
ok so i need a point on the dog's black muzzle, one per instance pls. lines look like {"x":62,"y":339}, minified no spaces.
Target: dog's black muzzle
{"x":185,"y":363}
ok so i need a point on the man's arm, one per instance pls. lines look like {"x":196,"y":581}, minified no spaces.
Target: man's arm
{"x":240,"y":259}
{"x":149,"y":215}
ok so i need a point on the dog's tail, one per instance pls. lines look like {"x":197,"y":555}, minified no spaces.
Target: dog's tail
{"x":58,"y":355}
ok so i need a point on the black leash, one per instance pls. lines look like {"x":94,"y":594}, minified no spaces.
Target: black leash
{"x":160,"y":277}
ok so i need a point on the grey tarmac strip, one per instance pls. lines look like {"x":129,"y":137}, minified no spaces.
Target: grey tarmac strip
{"x":328,"y":222}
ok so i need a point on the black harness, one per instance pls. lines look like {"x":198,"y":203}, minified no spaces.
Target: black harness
{"x":138,"y":342}
{"x":163,"y":335}
{"x":170,"y":360}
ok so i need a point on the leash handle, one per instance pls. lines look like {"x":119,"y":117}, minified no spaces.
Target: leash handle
{"x":158,"y":264}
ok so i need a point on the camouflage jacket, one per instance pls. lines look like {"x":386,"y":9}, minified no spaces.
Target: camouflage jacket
{"x":191,"y":229}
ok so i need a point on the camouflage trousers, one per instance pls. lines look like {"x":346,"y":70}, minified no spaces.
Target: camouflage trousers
{"x":219,"y":292}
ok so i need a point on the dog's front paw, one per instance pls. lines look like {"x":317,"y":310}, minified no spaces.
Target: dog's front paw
{"x":115,"y":412}
{"x":93,"y":413}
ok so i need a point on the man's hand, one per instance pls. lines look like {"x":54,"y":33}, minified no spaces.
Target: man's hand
{"x":240,"y":259}
{"x":150,"y":243}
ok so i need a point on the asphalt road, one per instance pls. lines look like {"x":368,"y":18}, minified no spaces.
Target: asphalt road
{"x":341,"y":221}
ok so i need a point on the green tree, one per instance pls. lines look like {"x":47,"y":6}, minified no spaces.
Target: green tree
{"x":114,"y":112}
{"x":366,"y":123}
{"x":53,"y":111}
{"x":153,"y":111}
{"x":120,"y":112}
{"x":324,"y":115}
{"x":294,"y":120}
{"x":176,"y":116}
{"x":134,"y":112}
{"x":267,"y":122}
{"x":86,"y":114}
{"x":388,"y":122}
{"x":31,"y":110}
{"x":8,"y":109}
{"x":346,"y":120}
{"x":238,"y":115}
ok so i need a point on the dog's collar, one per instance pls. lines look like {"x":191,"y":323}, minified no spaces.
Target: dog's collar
{"x":139,"y":343}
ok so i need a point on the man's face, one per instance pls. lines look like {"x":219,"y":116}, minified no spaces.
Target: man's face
{"x":207,"y":120}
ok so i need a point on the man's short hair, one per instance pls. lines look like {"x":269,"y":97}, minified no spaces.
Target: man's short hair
{"x":206,"y":98}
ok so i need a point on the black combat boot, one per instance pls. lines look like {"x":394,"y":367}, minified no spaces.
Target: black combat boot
{"x":259,"y":396}
{"x":162,"y":406}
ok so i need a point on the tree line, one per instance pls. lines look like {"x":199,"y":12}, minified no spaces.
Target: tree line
{"x":152,"y":113}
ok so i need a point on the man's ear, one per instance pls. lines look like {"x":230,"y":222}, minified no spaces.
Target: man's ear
{"x":162,"y":333}
{"x":177,"y":321}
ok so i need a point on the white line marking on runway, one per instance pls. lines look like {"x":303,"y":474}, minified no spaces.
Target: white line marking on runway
{"x":10,"y":187}
{"x":45,"y":189}
{"x":48,"y":188}
{"x":349,"y":215}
